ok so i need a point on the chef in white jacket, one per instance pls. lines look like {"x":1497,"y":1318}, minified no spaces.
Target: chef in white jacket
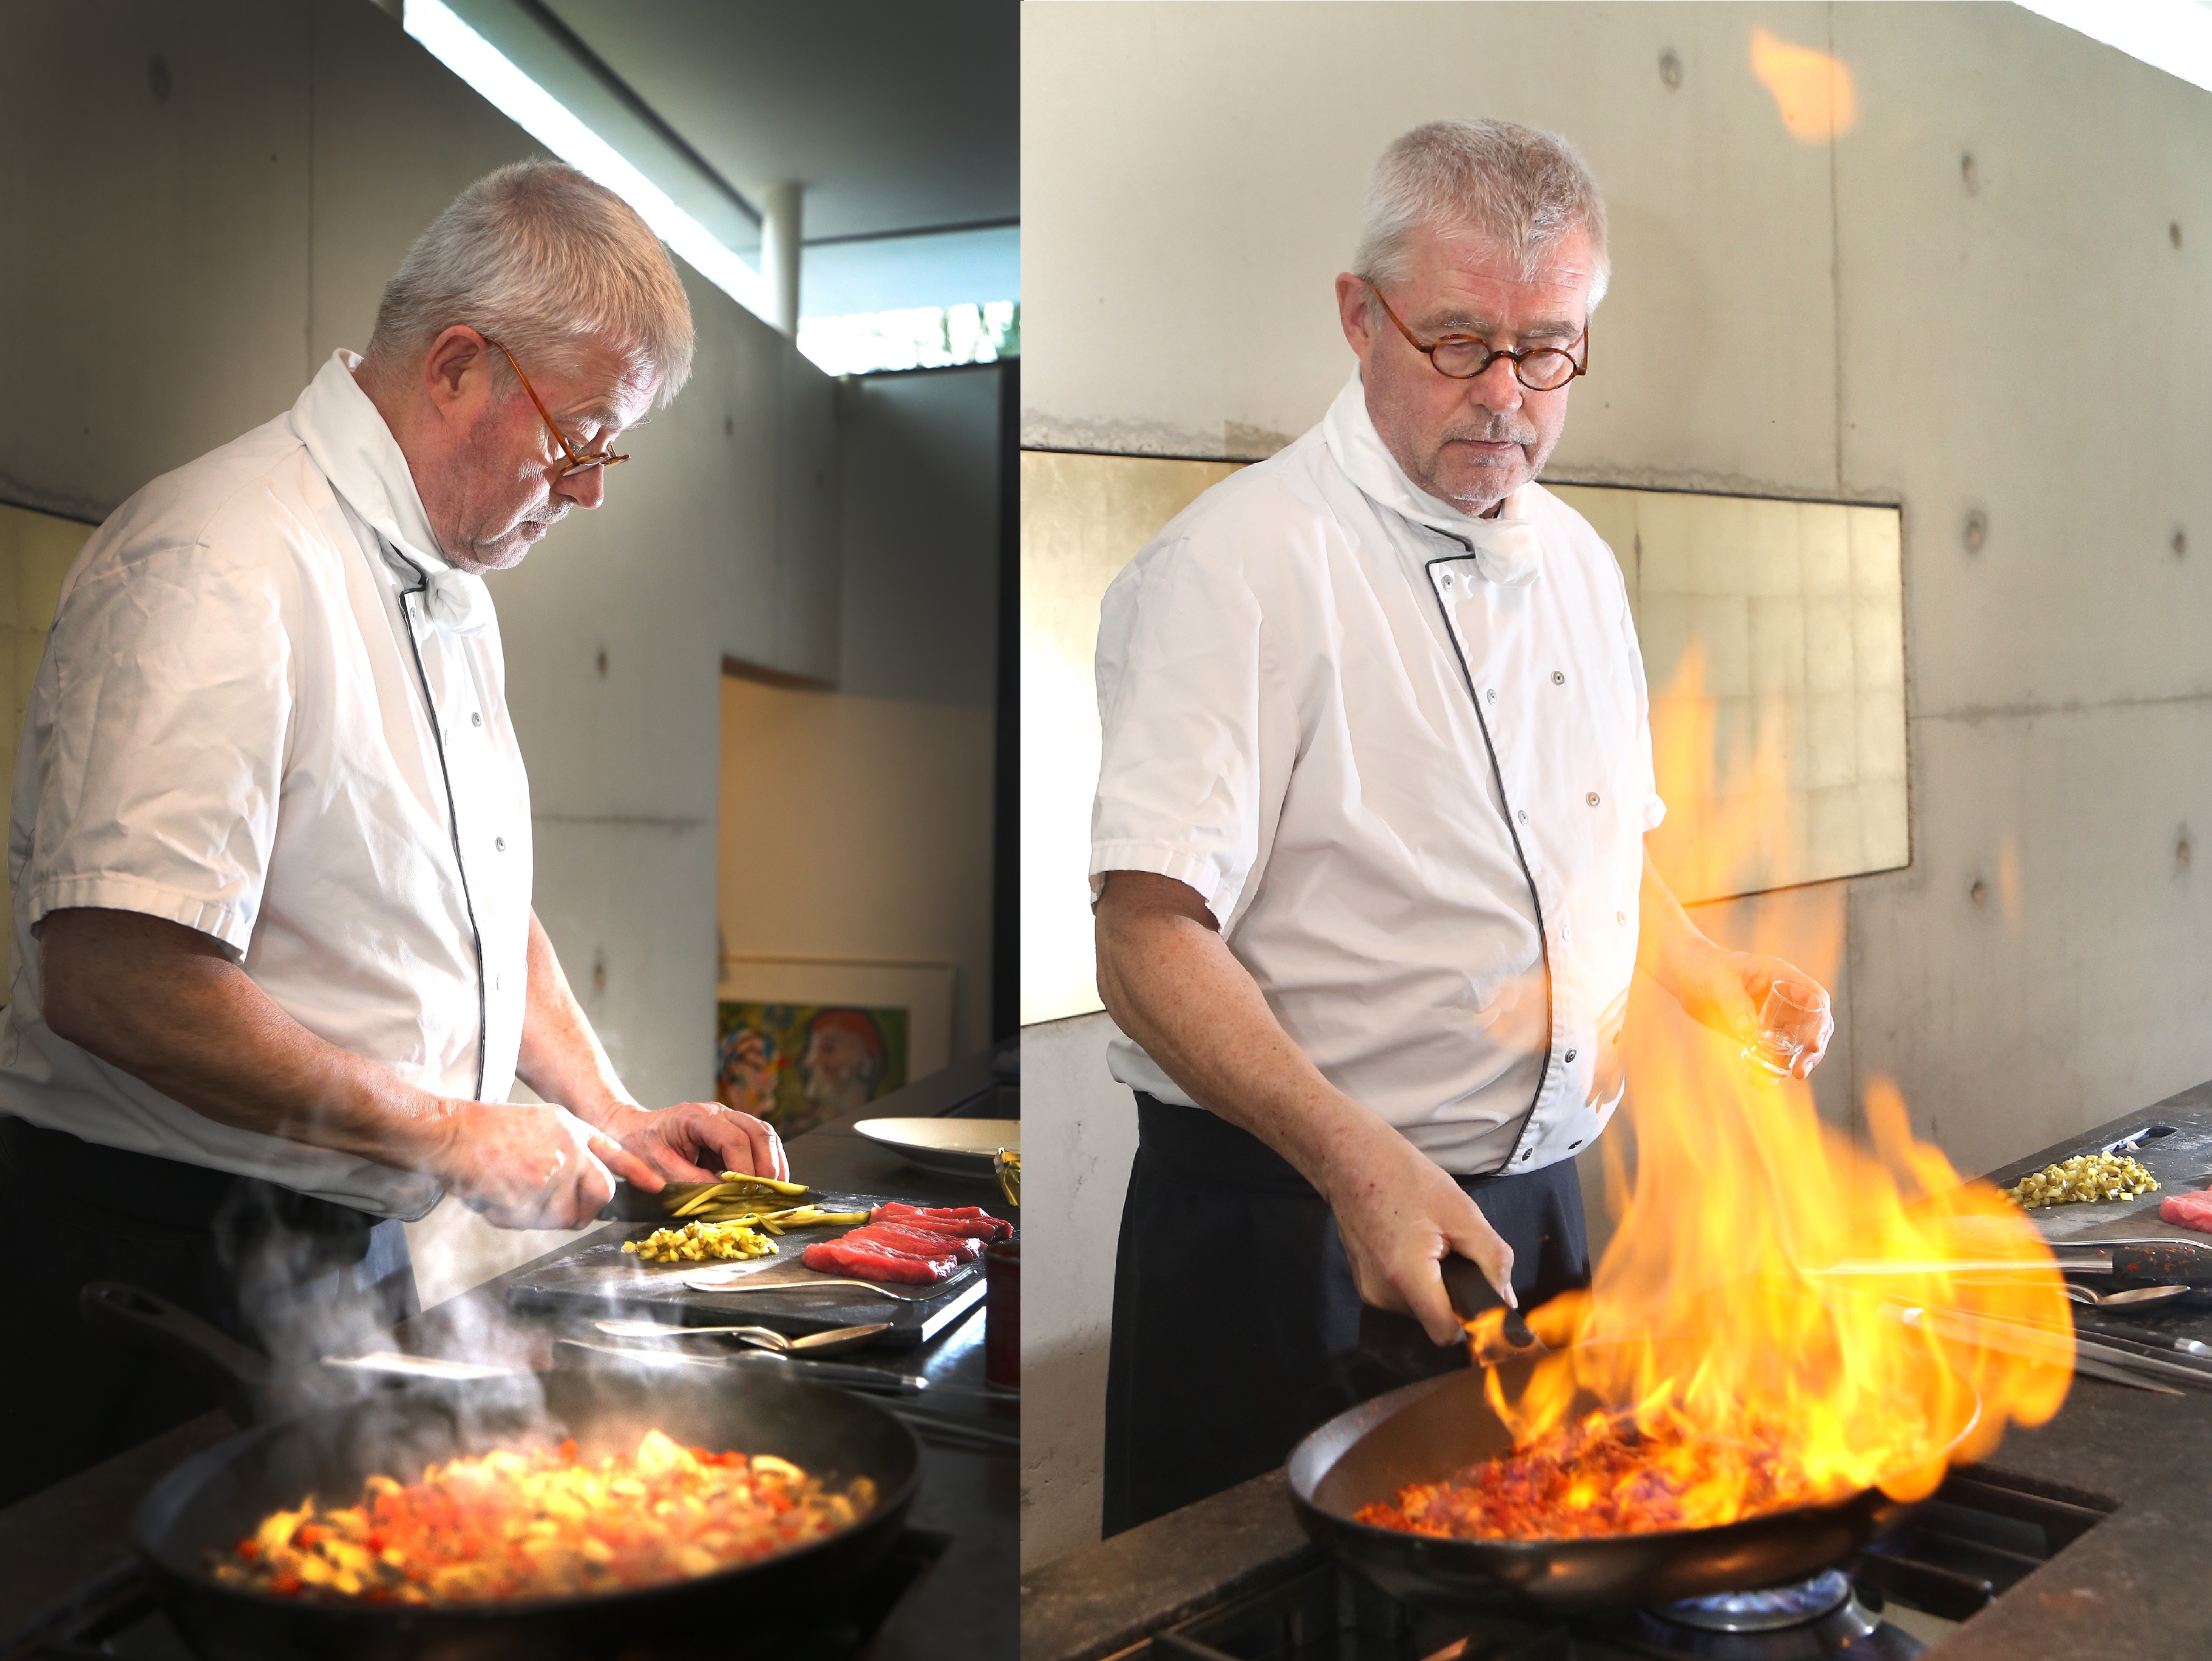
{"x":1368,"y":846}
{"x":276,"y":967}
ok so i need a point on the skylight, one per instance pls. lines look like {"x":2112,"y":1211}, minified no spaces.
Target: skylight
{"x":2173,"y":35}
{"x":553,"y":125}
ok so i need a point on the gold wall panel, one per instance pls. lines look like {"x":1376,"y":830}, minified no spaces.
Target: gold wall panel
{"x":1084,"y":517}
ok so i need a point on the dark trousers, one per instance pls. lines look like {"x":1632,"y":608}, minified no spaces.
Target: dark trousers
{"x":1237,"y":1328}
{"x":290,"y":1275}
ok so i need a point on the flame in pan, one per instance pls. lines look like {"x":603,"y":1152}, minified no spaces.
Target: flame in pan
{"x":1752,"y":1378}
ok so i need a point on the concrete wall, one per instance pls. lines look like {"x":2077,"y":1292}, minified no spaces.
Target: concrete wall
{"x":183,"y":255}
{"x":856,"y":823}
{"x":1868,"y":318}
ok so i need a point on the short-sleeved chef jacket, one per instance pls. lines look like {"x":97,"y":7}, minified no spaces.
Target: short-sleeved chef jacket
{"x":268,"y":710}
{"x":1403,"y":757}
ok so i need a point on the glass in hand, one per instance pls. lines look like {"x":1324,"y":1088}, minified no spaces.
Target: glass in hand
{"x":1789,"y":1023}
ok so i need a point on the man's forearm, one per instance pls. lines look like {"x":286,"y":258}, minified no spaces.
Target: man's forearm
{"x":1669,"y":947}
{"x":561,"y":1058}
{"x":164,"y":1004}
{"x":1173,"y":985}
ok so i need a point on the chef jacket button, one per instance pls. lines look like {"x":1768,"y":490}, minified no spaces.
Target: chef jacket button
{"x":1492,"y":694}
{"x":1445,"y":579}
{"x":1593,"y":798}
{"x":1529,"y":1155}
{"x":1558,"y":678}
{"x":1524,"y":816}
{"x":1621,"y":917}
{"x":500,"y":842}
{"x":476,"y":718}
{"x":1571,"y":1054}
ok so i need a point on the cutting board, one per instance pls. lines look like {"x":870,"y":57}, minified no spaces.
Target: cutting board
{"x":2175,"y":1149}
{"x":596,"y":1278}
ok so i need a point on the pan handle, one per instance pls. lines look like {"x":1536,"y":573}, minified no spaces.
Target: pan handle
{"x":1470,"y":1294}
{"x":242,"y":1378}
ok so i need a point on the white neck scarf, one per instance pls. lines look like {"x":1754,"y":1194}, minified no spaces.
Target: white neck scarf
{"x":347,"y":438}
{"x":1506,"y":549}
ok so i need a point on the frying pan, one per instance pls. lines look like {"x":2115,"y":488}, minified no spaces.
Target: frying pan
{"x":210,"y":1502}
{"x":1422,"y":1430}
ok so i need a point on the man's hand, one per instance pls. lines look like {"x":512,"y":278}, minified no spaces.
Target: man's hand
{"x":1726,"y":990}
{"x":531,"y":1165}
{"x":1170,"y":983}
{"x":676,"y":1143}
{"x":1398,"y":1213}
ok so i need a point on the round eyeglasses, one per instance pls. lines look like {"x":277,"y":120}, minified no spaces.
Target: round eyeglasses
{"x":573,"y":463}
{"x":1464,"y":357}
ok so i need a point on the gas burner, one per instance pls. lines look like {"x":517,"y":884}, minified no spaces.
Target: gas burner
{"x":1804,"y":1620}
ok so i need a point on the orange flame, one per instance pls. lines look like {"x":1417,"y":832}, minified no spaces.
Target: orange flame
{"x":1788,"y":1315}
{"x":1813,"y":90}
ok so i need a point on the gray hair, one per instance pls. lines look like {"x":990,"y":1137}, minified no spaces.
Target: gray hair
{"x":543,"y":259}
{"x":1522,"y":188}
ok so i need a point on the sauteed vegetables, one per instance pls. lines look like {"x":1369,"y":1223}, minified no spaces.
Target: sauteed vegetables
{"x":543,"y":1523}
{"x":1602,"y":1475}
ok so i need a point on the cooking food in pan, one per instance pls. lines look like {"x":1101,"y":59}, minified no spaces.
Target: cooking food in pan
{"x":544,"y":1523}
{"x":2086,"y":1177}
{"x":1602,"y":1475}
{"x":913,"y":1244}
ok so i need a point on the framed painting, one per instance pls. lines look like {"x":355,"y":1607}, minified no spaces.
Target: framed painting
{"x":799,"y":1042}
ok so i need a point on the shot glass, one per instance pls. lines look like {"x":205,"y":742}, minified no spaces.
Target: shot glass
{"x":1789,"y":1023}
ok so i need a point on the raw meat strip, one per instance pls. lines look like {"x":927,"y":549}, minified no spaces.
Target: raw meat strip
{"x":970,"y":1220}
{"x":915,"y":1242}
{"x":835,"y":1257}
{"x":2188,"y":1210}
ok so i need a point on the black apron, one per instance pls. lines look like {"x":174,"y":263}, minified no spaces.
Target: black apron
{"x":1237,"y":1327}
{"x":274,"y":1269}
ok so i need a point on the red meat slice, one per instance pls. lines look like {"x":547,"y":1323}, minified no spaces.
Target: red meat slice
{"x":915,"y":1242}
{"x":972,"y":1221}
{"x":836,"y":1257}
{"x":2188,"y":1210}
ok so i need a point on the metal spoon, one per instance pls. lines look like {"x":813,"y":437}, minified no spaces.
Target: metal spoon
{"x":2132,"y":1295}
{"x":814,"y":1343}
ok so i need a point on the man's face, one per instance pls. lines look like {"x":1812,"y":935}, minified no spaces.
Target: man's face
{"x":491,"y":482}
{"x":1470,"y":443}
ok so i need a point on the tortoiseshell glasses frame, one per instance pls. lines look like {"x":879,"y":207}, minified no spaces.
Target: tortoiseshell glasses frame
{"x":1464,"y":357}
{"x":574,"y":463}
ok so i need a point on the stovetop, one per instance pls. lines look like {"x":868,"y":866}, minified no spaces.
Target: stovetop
{"x":1982,"y":1533}
{"x":117,"y":1618}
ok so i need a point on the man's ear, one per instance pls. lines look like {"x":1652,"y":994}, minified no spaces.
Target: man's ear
{"x":1354,"y":314}
{"x":455,"y":369}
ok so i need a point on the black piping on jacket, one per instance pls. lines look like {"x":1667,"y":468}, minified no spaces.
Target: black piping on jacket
{"x":1505,"y":807}
{"x":452,"y":808}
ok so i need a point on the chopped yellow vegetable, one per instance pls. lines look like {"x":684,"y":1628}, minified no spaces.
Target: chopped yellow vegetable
{"x":699,"y":1243}
{"x":2084,"y":1179}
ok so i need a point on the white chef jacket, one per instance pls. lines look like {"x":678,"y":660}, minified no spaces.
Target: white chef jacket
{"x":269,"y":711}
{"x":1403,"y":757}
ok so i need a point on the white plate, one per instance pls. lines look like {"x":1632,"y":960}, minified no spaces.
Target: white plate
{"x":956,"y":1148}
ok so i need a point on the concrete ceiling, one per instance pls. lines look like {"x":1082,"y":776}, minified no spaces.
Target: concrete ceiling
{"x":895,"y":116}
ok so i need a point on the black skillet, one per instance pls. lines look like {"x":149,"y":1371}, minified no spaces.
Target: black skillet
{"x":206,"y":1505}
{"x":1429,"y":1429}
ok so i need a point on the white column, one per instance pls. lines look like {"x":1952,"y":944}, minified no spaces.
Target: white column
{"x":780,"y":233}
